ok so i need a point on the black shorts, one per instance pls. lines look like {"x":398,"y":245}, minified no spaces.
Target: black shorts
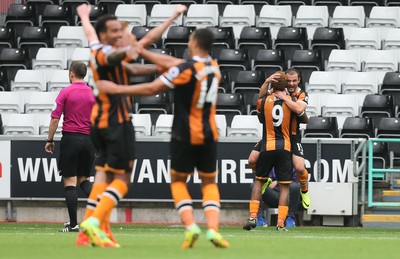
{"x":76,"y":155}
{"x":115,"y":147}
{"x":281,"y":160}
{"x":185,"y":157}
{"x":257,"y":146}
{"x":297,"y":148}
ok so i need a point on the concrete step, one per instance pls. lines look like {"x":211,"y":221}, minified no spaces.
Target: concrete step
{"x":391,"y":196}
{"x":381,"y":221}
{"x":396,"y":184}
{"x":384,"y":210}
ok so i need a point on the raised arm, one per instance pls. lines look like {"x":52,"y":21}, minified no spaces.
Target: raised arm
{"x":139,"y":69}
{"x":150,"y":88}
{"x":264,"y":88}
{"x":84,"y":13}
{"x":156,"y":33}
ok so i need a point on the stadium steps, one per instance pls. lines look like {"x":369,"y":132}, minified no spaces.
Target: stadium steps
{"x":396,"y":184}
{"x":391,"y":196}
{"x":382,"y":217}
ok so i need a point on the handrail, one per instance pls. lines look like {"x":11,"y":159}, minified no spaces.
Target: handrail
{"x":361,"y":169}
{"x":372,"y":170}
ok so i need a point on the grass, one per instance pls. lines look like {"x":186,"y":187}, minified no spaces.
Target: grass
{"x":42,"y":241}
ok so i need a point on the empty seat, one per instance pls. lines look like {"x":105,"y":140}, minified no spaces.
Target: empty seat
{"x":11,"y":102}
{"x":311,"y":17}
{"x":376,"y":107}
{"x":253,"y":39}
{"x":331,"y":4}
{"x":258,"y":4}
{"x":324,"y":82}
{"x":270,"y":60}
{"x":340,"y":106}
{"x":154,"y":105}
{"x":58,"y":80}
{"x":177,"y":39}
{"x":223,"y":39}
{"x":41,"y":102}
{"x":381,"y":60}
{"x":134,"y":15}
{"x":32,"y":39}
{"x":54,"y":16}
{"x":327,"y":39}
{"x":238,"y":16}
{"x":356,"y":82}
{"x":202,"y":15}
{"x":340,"y":59}
{"x":229,"y":105}
{"x":50,"y":58}
{"x":354,"y":127}
{"x":220,"y":119}
{"x":295,"y":4}
{"x":71,"y":37}
{"x":348,"y":17}
{"x":222,"y":4}
{"x":142,"y":123}
{"x":275,"y":17}
{"x":44,"y":122}
{"x":248,"y":83}
{"x":291,"y":39}
{"x":161,"y":12}
{"x":314,"y":107}
{"x":7,"y":38}
{"x":233,"y":61}
{"x":367,"y":38}
{"x":391,"y":86}
{"x":367,"y":4}
{"x":18,"y":17}
{"x":245,"y":126}
{"x":11,"y":57}
{"x":391,"y":40}
{"x":383,"y":17}
{"x":29,"y":80}
{"x":390,"y":128}
{"x":306,"y":61}
{"x":321,"y":127}
{"x":21,"y":124}
{"x":82,"y":55}
{"x":163,"y":125}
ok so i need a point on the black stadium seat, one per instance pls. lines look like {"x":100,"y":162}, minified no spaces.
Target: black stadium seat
{"x":177,"y":39}
{"x":376,"y":107}
{"x":154,"y":105}
{"x":223,"y":39}
{"x":290,"y":39}
{"x":390,"y":128}
{"x":306,"y":61}
{"x":391,"y":86}
{"x":253,"y":39}
{"x":7,"y":38}
{"x":32,"y":39}
{"x":230,"y":105}
{"x":355,"y":127}
{"x":55,"y":16}
{"x":232,"y":61}
{"x":326,"y":39}
{"x":18,"y":17}
{"x":321,"y":127}
{"x":248,"y":83}
{"x":269,"y":61}
{"x":95,"y":12}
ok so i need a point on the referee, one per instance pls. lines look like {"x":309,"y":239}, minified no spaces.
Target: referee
{"x":75,"y":102}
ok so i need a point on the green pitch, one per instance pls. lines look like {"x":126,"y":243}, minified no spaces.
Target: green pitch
{"x":43,"y":241}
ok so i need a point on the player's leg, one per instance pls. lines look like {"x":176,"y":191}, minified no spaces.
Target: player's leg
{"x":253,"y":157}
{"x":283,"y":170}
{"x":294,"y":193}
{"x":182,"y":165}
{"x":301,"y":171}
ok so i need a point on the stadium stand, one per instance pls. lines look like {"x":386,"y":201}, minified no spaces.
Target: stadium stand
{"x":311,"y":17}
{"x":201,"y":15}
{"x":163,"y":125}
{"x":376,"y":107}
{"x":275,"y":17}
{"x":143,"y":126}
{"x":269,"y":61}
{"x":238,"y":16}
{"x":245,"y":126}
{"x":291,"y":39}
{"x":355,"y":127}
{"x":134,"y":15}
{"x":321,"y":127}
{"x":253,"y":39}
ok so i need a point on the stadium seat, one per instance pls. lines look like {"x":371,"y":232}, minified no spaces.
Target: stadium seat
{"x":71,"y":37}
{"x":269,"y":61}
{"x":311,"y":17}
{"x":340,"y":106}
{"x":154,"y":105}
{"x":163,"y":125}
{"x":29,"y":80}
{"x":258,"y":4}
{"x":223,"y":39}
{"x":367,"y":4}
{"x":295,"y":4}
{"x":253,"y":39}
{"x":225,"y":84}
{"x":160,"y":13}
{"x":291,"y":39}
{"x":44,"y":122}
{"x":381,"y":60}
{"x":376,"y":107}
{"x":149,"y":4}
{"x":7,"y":38}
{"x":248,"y":83}
{"x":18,"y":17}
{"x":327,"y":39}
{"x":384,"y":18}
{"x":202,"y":15}
{"x":348,"y":17}
{"x":222,"y":4}
{"x":392,"y":3}
{"x":177,"y":39}
{"x":341,"y":59}
{"x":221,"y":124}
{"x":50,"y":58}
{"x":390,"y":128}
{"x":41,"y":102}
{"x":11,"y":57}
{"x":391,"y":40}
{"x":229,"y":105}
{"x":324,"y":82}
{"x":356,"y":82}
{"x":58,"y":80}
{"x":141,"y":31}
{"x":306,"y":61}
{"x":238,"y":16}
{"x":11,"y":102}
{"x":133,"y":14}
{"x":364,"y":38}
{"x":55,"y":16}
{"x":321,"y":127}
{"x":391,"y":86}
{"x":111,"y":5}
{"x":21,"y":124}
{"x":380,"y":155}
{"x":252,"y":107}
{"x":275,"y":17}
{"x":96,"y":12}
{"x":37,"y":7}
{"x":32,"y":39}
{"x":142,"y":123}
{"x":314,"y":107}
{"x":82,"y":55}
{"x":232,"y":61}
{"x":355,"y":127}
{"x":245,"y":126}
{"x":331,"y":4}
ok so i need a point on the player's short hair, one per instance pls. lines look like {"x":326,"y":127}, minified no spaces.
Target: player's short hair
{"x":78,"y":68}
{"x":101,"y":24}
{"x":204,"y":38}
{"x":292,"y":71}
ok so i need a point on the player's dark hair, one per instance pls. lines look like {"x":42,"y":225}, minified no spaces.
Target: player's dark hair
{"x":78,"y":68}
{"x":101,"y":24}
{"x":292,"y":71}
{"x":204,"y":38}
